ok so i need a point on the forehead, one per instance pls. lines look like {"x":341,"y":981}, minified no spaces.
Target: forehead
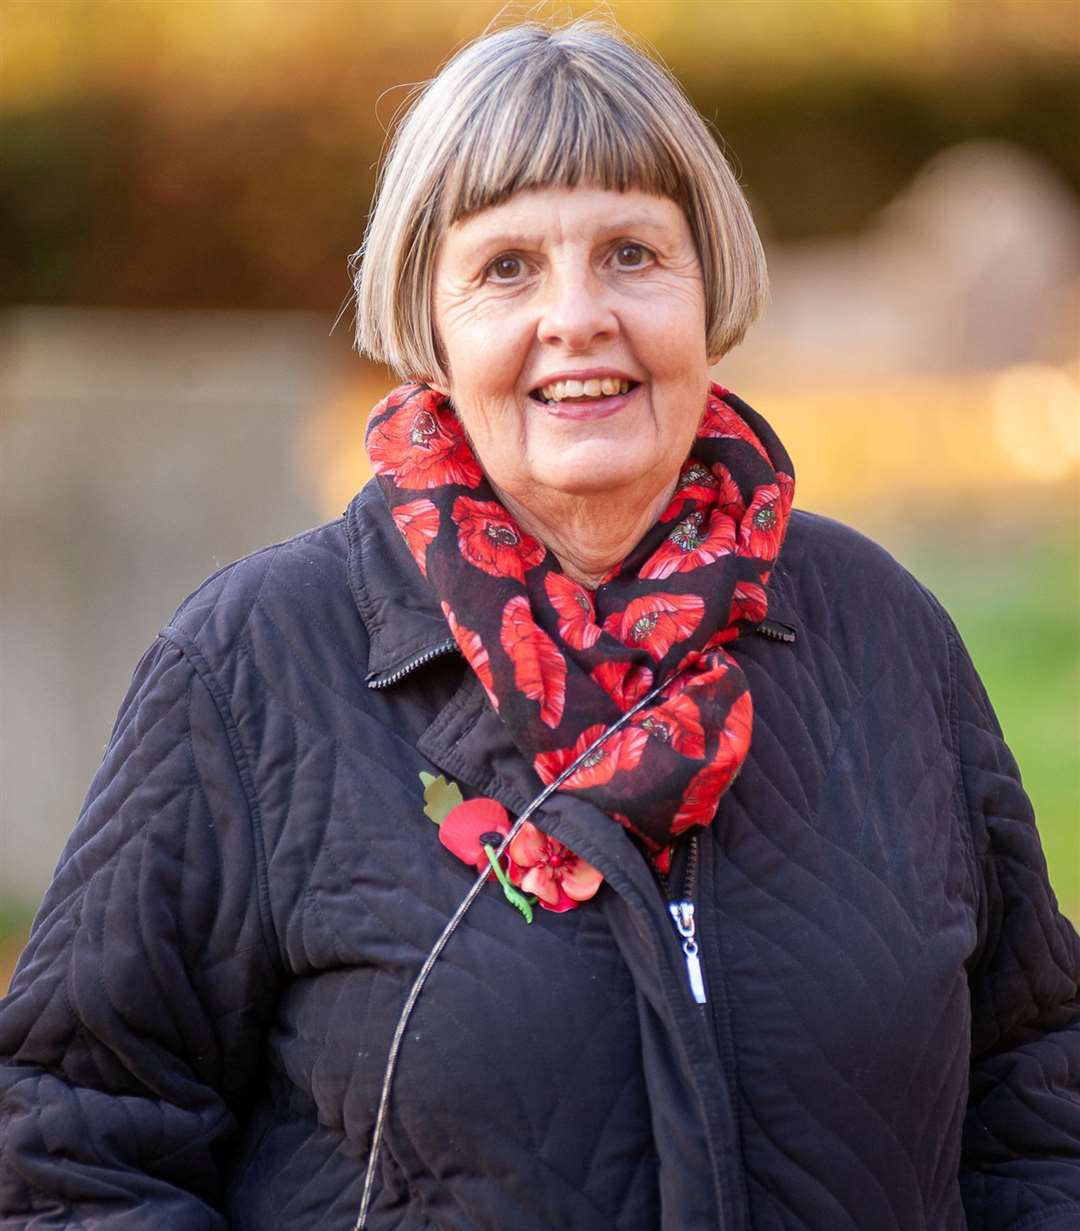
{"x":542,"y":217}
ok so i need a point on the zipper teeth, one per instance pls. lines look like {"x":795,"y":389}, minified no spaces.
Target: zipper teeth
{"x":775,"y":632}
{"x":444,"y":647}
{"x":689,"y":876}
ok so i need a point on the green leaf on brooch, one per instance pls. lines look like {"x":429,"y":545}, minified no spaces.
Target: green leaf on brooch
{"x":439,"y":796}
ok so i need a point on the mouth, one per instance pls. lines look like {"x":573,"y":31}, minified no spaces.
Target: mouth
{"x":585,"y":399}
{"x":583,"y":390}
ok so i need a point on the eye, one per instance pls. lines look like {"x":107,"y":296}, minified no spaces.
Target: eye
{"x":505,"y":268}
{"x":631,"y":256}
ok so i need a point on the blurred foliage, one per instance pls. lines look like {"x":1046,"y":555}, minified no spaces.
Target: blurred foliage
{"x":212,"y":154}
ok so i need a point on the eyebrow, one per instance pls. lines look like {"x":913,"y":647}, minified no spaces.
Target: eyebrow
{"x":522,"y":239}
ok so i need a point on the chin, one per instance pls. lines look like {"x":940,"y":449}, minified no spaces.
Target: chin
{"x":581,"y":472}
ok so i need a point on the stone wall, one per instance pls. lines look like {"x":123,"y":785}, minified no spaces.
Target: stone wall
{"x":138,"y":453}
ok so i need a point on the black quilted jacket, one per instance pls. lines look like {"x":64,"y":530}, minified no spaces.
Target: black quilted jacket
{"x":197,"y":1031}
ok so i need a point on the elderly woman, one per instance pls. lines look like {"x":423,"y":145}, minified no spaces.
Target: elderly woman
{"x":775,"y":949}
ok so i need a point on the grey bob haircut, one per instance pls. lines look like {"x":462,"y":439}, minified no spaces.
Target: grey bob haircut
{"x":535,"y":107}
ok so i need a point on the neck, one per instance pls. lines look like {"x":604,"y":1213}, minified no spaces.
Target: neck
{"x":590,"y":534}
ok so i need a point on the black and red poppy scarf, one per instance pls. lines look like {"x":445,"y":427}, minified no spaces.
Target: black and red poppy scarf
{"x":561,"y":662}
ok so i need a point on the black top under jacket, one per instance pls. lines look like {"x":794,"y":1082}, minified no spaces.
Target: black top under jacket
{"x":196,"y":1034}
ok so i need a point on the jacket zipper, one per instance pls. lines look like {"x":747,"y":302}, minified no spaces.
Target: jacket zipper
{"x":775,"y":631}
{"x":683,"y":916}
{"x":436,"y":651}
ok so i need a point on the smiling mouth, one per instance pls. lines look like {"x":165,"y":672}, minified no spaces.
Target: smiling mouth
{"x":582,"y":391}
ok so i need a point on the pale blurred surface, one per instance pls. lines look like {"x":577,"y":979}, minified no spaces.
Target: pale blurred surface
{"x":920,"y":356}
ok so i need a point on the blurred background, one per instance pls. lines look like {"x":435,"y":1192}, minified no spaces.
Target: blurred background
{"x":181,"y":185}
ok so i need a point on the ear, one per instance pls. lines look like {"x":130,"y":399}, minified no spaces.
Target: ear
{"x":437,"y":382}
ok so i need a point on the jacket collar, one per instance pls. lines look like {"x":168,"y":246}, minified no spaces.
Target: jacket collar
{"x":405,"y":625}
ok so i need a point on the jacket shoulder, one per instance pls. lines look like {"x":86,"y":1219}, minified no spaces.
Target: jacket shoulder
{"x":836,"y":577}
{"x":296,"y":584}
{"x":815,"y":541}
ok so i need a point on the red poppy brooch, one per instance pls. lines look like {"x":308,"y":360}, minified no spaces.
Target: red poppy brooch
{"x":535,"y":868}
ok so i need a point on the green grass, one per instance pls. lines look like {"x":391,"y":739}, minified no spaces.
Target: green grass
{"x":15,"y":919}
{"x":1017,"y":605}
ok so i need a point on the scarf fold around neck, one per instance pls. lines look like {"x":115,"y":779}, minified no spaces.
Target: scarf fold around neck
{"x":560,"y":662}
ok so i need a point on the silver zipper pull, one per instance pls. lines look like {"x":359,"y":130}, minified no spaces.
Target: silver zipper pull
{"x":682,"y":915}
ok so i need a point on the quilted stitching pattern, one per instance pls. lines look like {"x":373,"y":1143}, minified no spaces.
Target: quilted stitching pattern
{"x":1022,"y":1132}
{"x":196,"y":1034}
{"x":128,"y":1027}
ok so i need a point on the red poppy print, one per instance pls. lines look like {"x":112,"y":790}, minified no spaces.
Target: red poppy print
{"x":787,"y":492}
{"x":721,"y":637}
{"x":690,"y":545}
{"x":422,"y":445}
{"x":619,"y":753}
{"x":696,"y":482}
{"x":711,"y":667}
{"x":684,"y":664}
{"x":476,"y":656}
{"x":418,"y":522}
{"x":656,"y":622}
{"x":728,"y":497}
{"x":625,"y":683}
{"x":694,"y":584}
{"x":721,"y":420}
{"x":542,"y":865}
{"x":699,"y":802}
{"x":574,"y":606}
{"x":700,"y":668}
{"x":677,"y":723}
{"x":759,"y":534}
{"x":490,"y":539}
{"x":749,"y":602}
{"x":539,"y":668}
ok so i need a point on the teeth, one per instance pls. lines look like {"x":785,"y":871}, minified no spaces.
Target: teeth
{"x":559,"y":390}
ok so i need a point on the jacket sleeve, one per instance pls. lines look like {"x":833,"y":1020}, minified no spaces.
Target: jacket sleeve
{"x":130,"y":1040}
{"x":1020,"y":1167}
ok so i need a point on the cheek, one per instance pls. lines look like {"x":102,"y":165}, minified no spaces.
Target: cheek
{"x":485,"y":349}
{"x":671,"y":337}
{"x":460,"y":335}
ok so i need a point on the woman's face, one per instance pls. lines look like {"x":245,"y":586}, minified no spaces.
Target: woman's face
{"x":558,"y":285}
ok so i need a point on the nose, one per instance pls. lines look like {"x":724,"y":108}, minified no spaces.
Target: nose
{"x":575,"y":310}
